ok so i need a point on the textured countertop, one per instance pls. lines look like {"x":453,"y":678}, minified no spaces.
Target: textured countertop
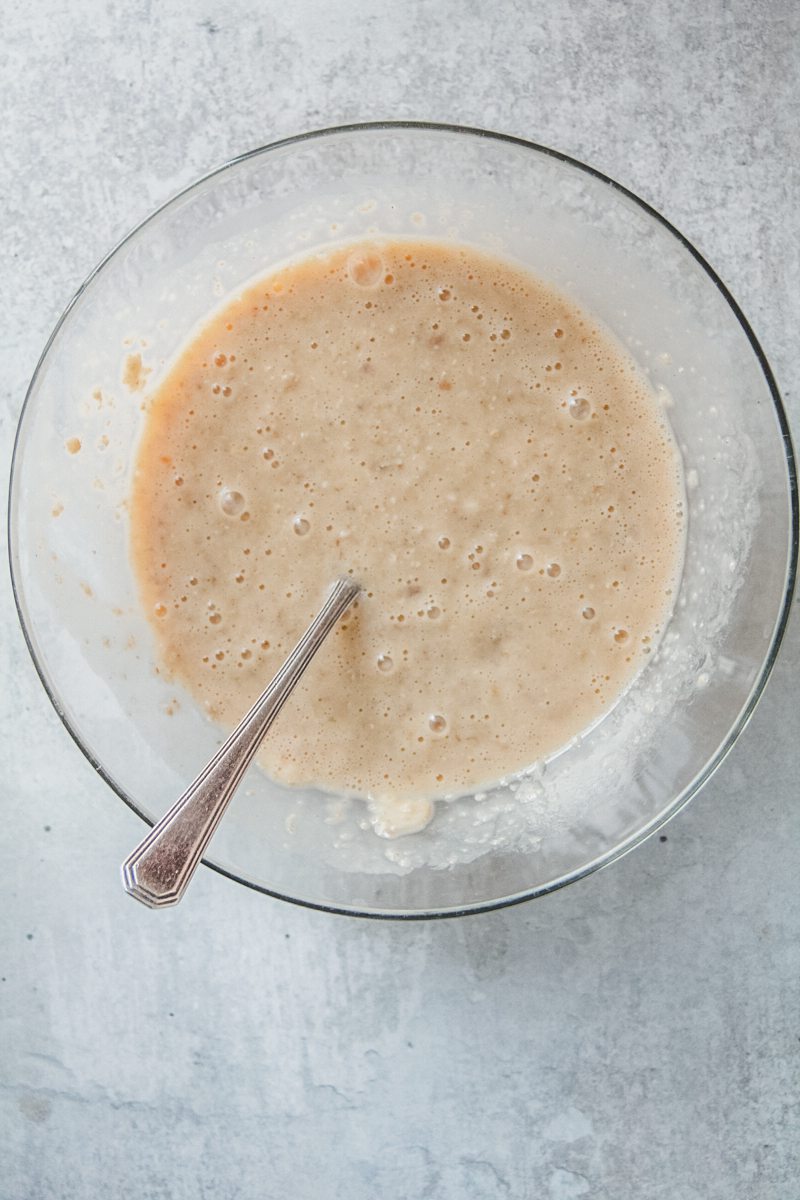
{"x":633,"y":1036}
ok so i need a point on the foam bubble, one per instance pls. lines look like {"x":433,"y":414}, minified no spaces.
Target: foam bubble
{"x":231,"y":502}
{"x":579,"y":408}
{"x":365,"y":268}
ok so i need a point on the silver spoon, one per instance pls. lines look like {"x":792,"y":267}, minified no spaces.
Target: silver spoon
{"x":162,"y":865}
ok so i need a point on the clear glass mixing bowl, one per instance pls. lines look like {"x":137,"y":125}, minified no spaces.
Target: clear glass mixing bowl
{"x":601,"y":245}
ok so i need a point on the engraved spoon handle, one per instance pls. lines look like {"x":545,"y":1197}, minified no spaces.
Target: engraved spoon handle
{"x":159,"y":870}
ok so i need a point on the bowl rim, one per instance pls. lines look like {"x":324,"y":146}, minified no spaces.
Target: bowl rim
{"x":756,"y":691}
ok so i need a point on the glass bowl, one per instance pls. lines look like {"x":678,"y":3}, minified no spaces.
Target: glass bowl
{"x":599,"y":244}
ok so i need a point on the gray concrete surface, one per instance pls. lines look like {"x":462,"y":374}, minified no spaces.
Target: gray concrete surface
{"x":635,"y":1037}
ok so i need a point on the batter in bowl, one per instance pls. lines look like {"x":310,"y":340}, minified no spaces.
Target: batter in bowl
{"x":476,"y":450}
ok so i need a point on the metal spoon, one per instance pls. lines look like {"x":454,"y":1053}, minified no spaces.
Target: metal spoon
{"x":162,"y":865}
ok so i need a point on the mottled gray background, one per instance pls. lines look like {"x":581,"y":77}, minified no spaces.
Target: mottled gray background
{"x":635,"y":1036}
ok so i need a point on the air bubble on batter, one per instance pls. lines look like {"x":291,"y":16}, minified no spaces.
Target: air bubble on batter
{"x":231,"y":502}
{"x":365,"y":268}
{"x":579,"y":408}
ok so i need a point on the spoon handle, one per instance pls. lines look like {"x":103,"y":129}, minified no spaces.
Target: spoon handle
{"x":160,"y":868}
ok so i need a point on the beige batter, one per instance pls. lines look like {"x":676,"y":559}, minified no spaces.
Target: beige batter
{"x":471,"y":447}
